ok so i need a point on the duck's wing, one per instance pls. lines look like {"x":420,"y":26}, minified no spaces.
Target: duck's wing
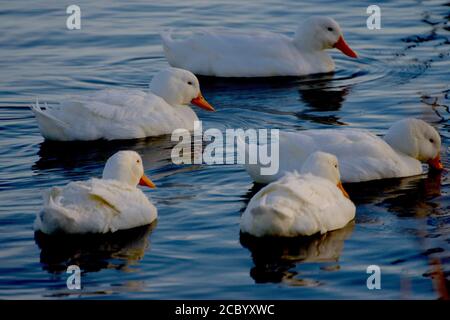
{"x":130,"y":207}
{"x":94,"y":206}
{"x":115,"y":104}
{"x":323,"y":206}
{"x":107,"y":114}
{"x":362,"y":155}
{"x":231,"y":54}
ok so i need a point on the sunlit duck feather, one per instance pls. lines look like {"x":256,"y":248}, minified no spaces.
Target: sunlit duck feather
{"x":301,"y":204}
{"x":259,"y":54}
{"x":362,"y":155}
{"x":100,"y":205}
{"x":125,"y":113}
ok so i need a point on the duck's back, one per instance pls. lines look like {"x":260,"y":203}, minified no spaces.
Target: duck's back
{"x":297,"y":205}
{"x":235,"y":54}
{"x":362,"y":155}
{"x":94,"y":206}
{"x":112,"y":114}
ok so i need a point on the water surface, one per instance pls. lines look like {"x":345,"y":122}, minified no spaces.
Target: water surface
{"x":195,"y":249}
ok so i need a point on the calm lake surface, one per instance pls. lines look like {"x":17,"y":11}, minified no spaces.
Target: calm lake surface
{"x":195,"y":249}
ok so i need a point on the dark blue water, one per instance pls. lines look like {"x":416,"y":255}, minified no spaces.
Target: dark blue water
{"x":195,"y":250}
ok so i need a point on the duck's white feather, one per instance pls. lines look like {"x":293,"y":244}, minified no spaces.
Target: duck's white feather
{"x":362,"y":155}
{"x":297,"y":205}
{"x":112,"y":114}
{"x":238,"y":54}
{"x":94,"y":206}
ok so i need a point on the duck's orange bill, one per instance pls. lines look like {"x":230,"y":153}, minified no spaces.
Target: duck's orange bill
{"x":202,"y":103}
{"x":436,"y":163}
{"x":145,"y":181}
{"x":343,"y":46}
{"x":340,"y":186}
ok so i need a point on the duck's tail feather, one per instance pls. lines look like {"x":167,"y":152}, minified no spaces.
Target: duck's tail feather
{"x":166,"y":37}
{"x":51,"y":127}
{"x":169,"y":47}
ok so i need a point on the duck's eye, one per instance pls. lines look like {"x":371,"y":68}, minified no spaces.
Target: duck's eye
{"x":336,"y":166}
{"x":138,"y":161}
{"x":190,"y":83}
{"x":431,"y":140}
{"x":330,"y":29}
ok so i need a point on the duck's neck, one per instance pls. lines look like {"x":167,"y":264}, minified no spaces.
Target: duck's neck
{"x":165,"y":93}
{"x":306,"y":42}
{"x":316,"y":61}
{"x":399,"y":145}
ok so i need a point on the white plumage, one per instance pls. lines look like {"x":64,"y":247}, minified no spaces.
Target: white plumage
{"x":301,"y":204}
{"x":258,"y":54}
{"x":100,"y":205}
{"x":125,"y":113}
{"x":362,"y":155}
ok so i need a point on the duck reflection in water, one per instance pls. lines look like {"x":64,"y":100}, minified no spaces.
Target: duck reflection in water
{"x":322,"y":96}
{"x":406,"y":197}
{"x":70,"y":155}
{"x":319,"y":93}
{"x":277,"y":259}
{"x":94,"y":252}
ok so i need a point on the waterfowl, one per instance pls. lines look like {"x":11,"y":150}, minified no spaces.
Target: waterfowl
{"x":362,"y":155}
{"x":259,"y":54}
{"x":100,"y":205}
{"x":313,"y":201}
{"x":112,"y":114}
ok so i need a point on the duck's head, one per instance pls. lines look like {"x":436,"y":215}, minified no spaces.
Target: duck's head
{"x":126,"y":167}
{"x":179,"y":87}
{"x":417,"y":139}
{"x":324,"y":165}
{"x":320,"y":33}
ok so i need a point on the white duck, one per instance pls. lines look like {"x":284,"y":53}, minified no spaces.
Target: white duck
{"x":362,"y":155}
{"x":126,"y":114}
{"x":263,"y":54}
{"x":301,"y":204}
{"x":100,"y":205}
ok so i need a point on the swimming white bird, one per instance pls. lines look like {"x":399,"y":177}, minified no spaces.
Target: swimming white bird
{"x":126,"y":113}
{"x":301,"y":204}
{"x":259,"y":54}
{"x":362,"y":155}
{"x":100,"y":205}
